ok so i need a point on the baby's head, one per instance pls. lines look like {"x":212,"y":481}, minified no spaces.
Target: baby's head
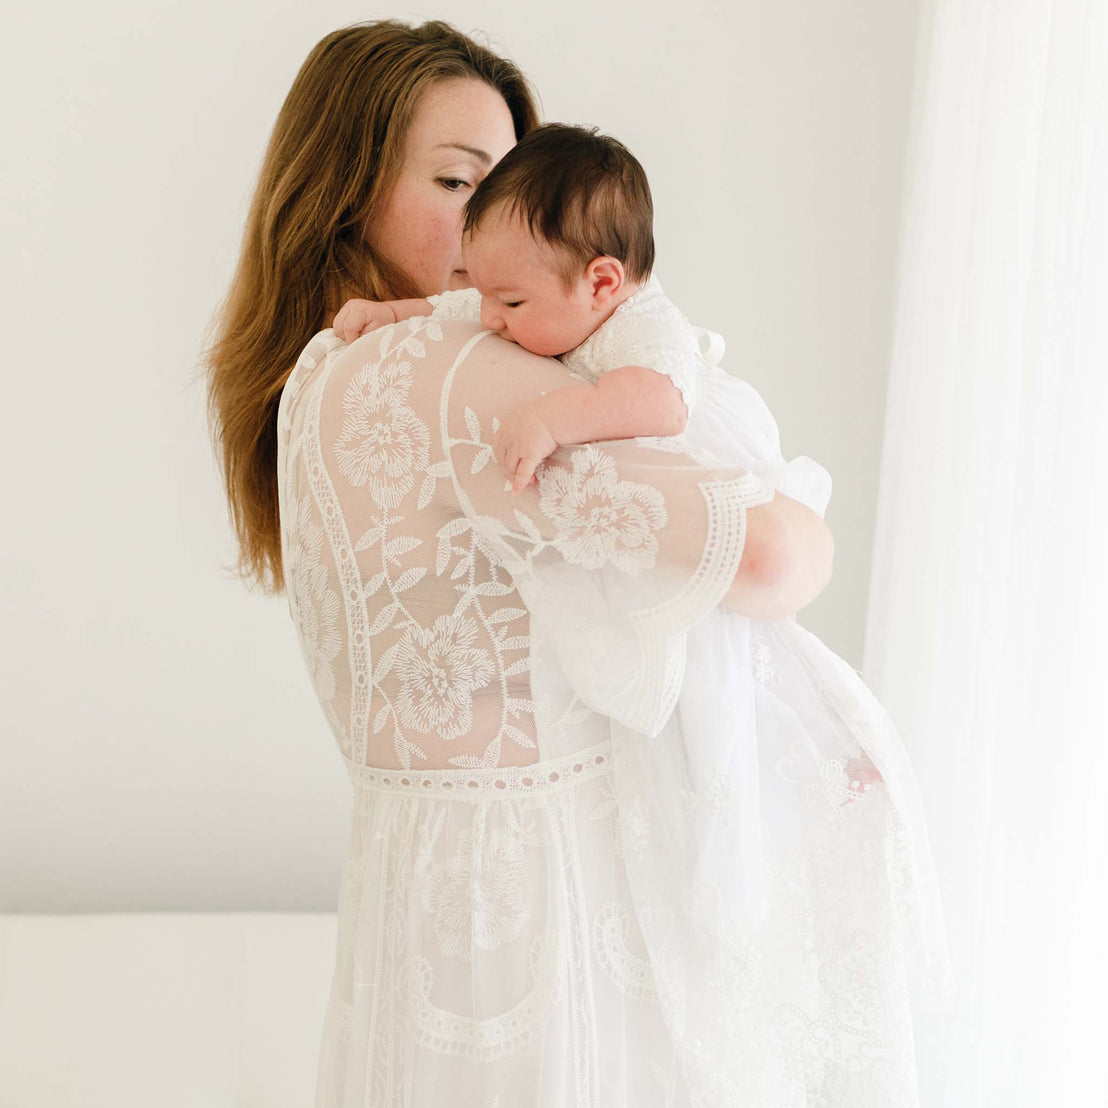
{"x":557,"y":236}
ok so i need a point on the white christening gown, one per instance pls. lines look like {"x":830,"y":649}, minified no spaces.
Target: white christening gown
{"x":541,"y":903}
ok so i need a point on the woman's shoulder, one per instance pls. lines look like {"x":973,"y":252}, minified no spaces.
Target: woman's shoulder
{"x":413,"y":338}
{"x":420,"y":357}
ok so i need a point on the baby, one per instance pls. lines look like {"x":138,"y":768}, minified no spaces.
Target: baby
{"x":558,"y":241}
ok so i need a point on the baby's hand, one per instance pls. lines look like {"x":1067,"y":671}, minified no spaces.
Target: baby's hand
{"x":520,"y":443}
{"x":356,"y":317}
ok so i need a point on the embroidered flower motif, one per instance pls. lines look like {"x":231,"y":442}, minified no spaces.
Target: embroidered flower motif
{"x":638,"y":828}
{"x":811,"y":1052}
{"x":383,"y":444}
{"x":477,"y":896}
{"x":715,"y":797}
{"x":601,"y":519}
{"x":765,"y":669}
{"x":315,"y":606}
{"x":439,"y":670}
{"x":855,"y":982}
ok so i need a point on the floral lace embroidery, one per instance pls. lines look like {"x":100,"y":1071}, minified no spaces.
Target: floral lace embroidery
{"x":439,"y":670}
{"x":413,"y":679}
{"x":315,"y":606}
{"x":383,"y":442}
{"x":716,"y":797}
{"x":601,"y":519}
{"x":765,"y":670}
{"x":477,"y":894}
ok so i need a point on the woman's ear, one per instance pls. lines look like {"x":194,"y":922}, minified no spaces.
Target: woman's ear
{"x":606,"y":280}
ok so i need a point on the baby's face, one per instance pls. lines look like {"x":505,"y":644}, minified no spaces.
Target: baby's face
{"x":522,"y":294}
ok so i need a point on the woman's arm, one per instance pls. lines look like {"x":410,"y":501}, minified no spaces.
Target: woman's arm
{"x":787,"y":560}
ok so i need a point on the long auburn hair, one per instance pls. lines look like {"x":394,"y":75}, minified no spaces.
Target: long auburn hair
{"x":335,"y":152}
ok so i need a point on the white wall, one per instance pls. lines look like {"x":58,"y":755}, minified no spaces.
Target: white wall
{"x":161,"y":745}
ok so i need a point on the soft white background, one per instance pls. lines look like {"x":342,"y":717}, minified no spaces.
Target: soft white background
{"x":161,"y":745}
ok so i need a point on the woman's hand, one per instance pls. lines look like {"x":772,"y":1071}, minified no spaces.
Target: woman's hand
{"x":520,"y":443}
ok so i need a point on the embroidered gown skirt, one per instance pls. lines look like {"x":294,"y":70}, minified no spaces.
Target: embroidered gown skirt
{"x":488,"y":950}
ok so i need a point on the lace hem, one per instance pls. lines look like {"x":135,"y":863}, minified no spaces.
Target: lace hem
{"x":550,"y":776}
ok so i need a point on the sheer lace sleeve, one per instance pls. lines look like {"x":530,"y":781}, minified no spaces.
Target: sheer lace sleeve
{"x":618,"y":550}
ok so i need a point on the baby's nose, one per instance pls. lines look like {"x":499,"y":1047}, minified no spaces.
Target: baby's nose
{"x":491,"y":317}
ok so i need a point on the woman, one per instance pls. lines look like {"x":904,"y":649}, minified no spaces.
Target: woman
{"x":496,"y":669}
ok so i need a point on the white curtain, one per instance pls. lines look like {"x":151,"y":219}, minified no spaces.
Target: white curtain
{"x":987,"y":629}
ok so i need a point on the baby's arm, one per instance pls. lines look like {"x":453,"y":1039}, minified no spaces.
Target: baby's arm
{"x":625,"y":403}
{"x":356,"y":317}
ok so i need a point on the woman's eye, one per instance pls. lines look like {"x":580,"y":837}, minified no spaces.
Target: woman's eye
{"x":452,"y":184}
{"x":512,"y":303}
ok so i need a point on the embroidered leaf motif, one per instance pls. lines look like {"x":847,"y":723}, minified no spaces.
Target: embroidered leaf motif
{"x":503,"y":615}
{"x":384,"y":617}
{"x":445,"y":534}
{"x":492,"y":588}
{"x":385,"y":663}
{"x":408,"y":578}
{"x":519,"y":738}
{"x":369,"y":538}
{"x":401,"y":545}
{"x":528,"y":526}
{"x":481,"y":459}
{"x":380,"y":717}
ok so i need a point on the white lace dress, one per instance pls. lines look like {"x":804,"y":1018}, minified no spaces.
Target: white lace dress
{"x":531,"y":911}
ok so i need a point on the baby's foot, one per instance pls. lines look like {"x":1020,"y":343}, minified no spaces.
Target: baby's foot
{"x":861,"y":773}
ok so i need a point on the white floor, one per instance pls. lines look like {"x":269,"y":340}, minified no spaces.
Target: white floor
{"x":204,"y":1010}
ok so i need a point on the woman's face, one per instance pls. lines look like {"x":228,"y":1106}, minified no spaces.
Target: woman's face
{"x":461,"y":129}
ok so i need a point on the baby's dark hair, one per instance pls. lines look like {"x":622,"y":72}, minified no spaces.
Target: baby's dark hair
{"x":583,"y":193}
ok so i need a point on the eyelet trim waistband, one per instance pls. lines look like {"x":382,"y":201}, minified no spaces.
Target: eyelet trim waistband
{"x":479,"y":784}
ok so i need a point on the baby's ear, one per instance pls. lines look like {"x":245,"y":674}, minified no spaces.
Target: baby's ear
{"x":606,"y":279}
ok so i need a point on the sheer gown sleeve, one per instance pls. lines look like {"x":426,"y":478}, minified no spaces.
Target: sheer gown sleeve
{"x":617,"y":551}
